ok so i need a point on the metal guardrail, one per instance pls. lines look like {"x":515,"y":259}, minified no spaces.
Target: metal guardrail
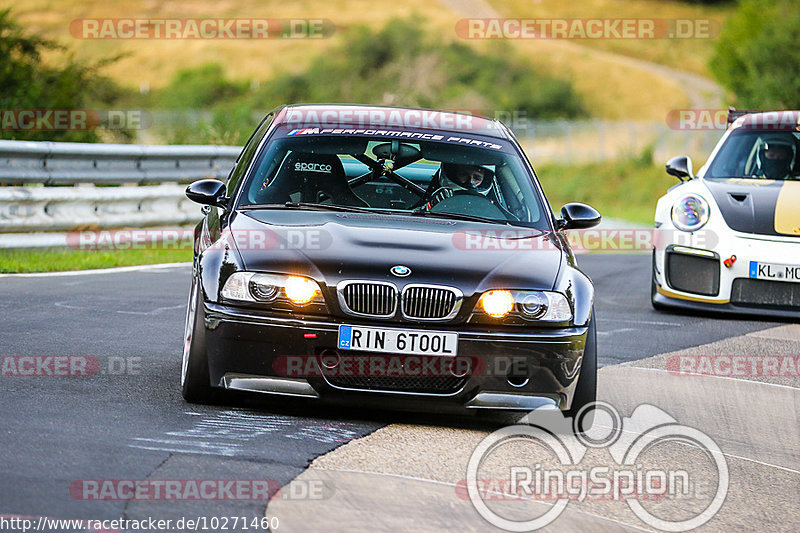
{"x":140,"y":184}
{"x":53,"y":163}
{"x":49,"y":186}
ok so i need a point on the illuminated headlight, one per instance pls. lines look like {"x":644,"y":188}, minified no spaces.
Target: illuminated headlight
{"x":300,"y":290}
{"x":690,"y":213}
{"x":546,"y":306}
{"x":272,"y":289}
{"x":497,"y":304}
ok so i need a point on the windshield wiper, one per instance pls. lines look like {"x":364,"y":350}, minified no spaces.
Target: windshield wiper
{"x":350,"y":209}
{"x":459,"y":216}
{"x":310,"y":206}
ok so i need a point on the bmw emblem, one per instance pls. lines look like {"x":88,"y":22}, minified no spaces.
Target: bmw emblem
{"x":400,"y":271}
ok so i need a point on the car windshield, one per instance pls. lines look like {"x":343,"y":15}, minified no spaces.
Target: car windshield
{"x":484,"y":181}
{"x":758,"y":154}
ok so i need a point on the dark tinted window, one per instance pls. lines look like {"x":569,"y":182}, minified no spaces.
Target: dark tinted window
{"x":757,"y":154}
{"x":246,"y":157}
{"x":395,"y":176}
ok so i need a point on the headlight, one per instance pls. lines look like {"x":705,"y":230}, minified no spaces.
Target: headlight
{"x":280,"y":290}
{"x":497,"y":304}
{"x":539,"y":306}
{"x":690,"y":213}
{"x":300,"y":290}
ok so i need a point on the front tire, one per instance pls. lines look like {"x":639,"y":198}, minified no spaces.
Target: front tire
{"x":195,"y":380}
{"x":586,"y":388}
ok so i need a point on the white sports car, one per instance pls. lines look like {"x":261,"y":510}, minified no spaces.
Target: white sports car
{"x":728,"y":239}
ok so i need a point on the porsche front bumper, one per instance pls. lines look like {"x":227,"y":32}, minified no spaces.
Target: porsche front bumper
{"x":692,"y":276}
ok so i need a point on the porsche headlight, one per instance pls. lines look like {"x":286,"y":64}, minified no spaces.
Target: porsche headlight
{"x":281,"y":291}
{"x":690,"y":213}
{"x":529,"y":306}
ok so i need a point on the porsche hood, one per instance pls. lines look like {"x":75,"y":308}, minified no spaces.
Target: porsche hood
{"x":762,"y":207}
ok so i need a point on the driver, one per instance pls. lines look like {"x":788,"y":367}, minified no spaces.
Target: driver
{"x":775,"y":157}
{"x":457,"y":177}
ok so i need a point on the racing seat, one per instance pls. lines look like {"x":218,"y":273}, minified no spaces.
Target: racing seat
{"x":318,"y":178}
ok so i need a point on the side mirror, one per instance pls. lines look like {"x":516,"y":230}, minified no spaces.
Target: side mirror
{"x":680,"y":167}
{"x":578,"y":216}
{"x":207,"y":192}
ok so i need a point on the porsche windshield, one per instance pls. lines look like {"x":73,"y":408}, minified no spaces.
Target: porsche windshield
{"x":422,"y":177}
{"x":758,"y":154}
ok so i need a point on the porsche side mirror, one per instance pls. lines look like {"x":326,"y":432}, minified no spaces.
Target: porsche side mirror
{"x":207,"y":192}
{"x":575,"y":215}
{"x":680,"y":167}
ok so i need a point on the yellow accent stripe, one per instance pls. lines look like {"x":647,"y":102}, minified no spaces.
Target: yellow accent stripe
{"x":669,"y":294}
{"x":787,"y":209}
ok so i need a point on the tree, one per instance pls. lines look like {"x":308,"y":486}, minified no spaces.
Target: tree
{"x":757,"y":56}
{"x":28,"y":84}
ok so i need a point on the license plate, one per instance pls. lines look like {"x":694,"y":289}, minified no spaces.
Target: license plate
{"x":400,"y":341}
{"x":774,"y":271}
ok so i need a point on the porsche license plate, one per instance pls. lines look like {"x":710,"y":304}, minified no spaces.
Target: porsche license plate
{"x":774,"y":271}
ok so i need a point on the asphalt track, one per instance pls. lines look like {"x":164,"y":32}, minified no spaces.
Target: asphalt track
{"x":128,"y":421}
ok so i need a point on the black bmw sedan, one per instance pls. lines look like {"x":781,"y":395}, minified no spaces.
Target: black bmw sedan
{"x":388,"y":257}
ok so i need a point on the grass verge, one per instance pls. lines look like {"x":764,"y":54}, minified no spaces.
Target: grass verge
{"x":62,"y":259}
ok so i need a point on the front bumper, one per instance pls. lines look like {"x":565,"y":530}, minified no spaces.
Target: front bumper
{"x":511,"y":369}
{"x":723,"y":288}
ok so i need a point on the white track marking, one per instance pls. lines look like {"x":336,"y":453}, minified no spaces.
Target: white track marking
{"x":154,"y":311}
{"x":601,"y":319}
{"x":115,"y":270}
{"x":733,"y":456}
{"x":707,"y":376}
{"x":454,"y":485}
{"x":620,"y":330}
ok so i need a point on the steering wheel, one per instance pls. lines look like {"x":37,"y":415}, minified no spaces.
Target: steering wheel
{"x":467,"y":202}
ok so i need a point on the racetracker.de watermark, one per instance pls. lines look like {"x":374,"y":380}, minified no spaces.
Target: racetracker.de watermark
{"x":180,"y":238}
{"x":335,"y":365}
{"x":478,"y":120}
{"x":372,"y":118}
{"x":589,"y":240}
{"x":200,"y":28}
{"x":71,"y":366}
{"x":734,"y":365}
{"x":586,"y":28}
{"x":72,"y":119}
{"x":315,"y":239}
{"x":717,"y":119}
{"x":153,"y":490}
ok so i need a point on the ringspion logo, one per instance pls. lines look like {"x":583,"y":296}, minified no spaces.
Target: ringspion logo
{"x":551,"y":439}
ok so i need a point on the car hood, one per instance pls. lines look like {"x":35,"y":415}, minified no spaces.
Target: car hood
{"x":332,"y":247}
{"x":764,"y":207}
